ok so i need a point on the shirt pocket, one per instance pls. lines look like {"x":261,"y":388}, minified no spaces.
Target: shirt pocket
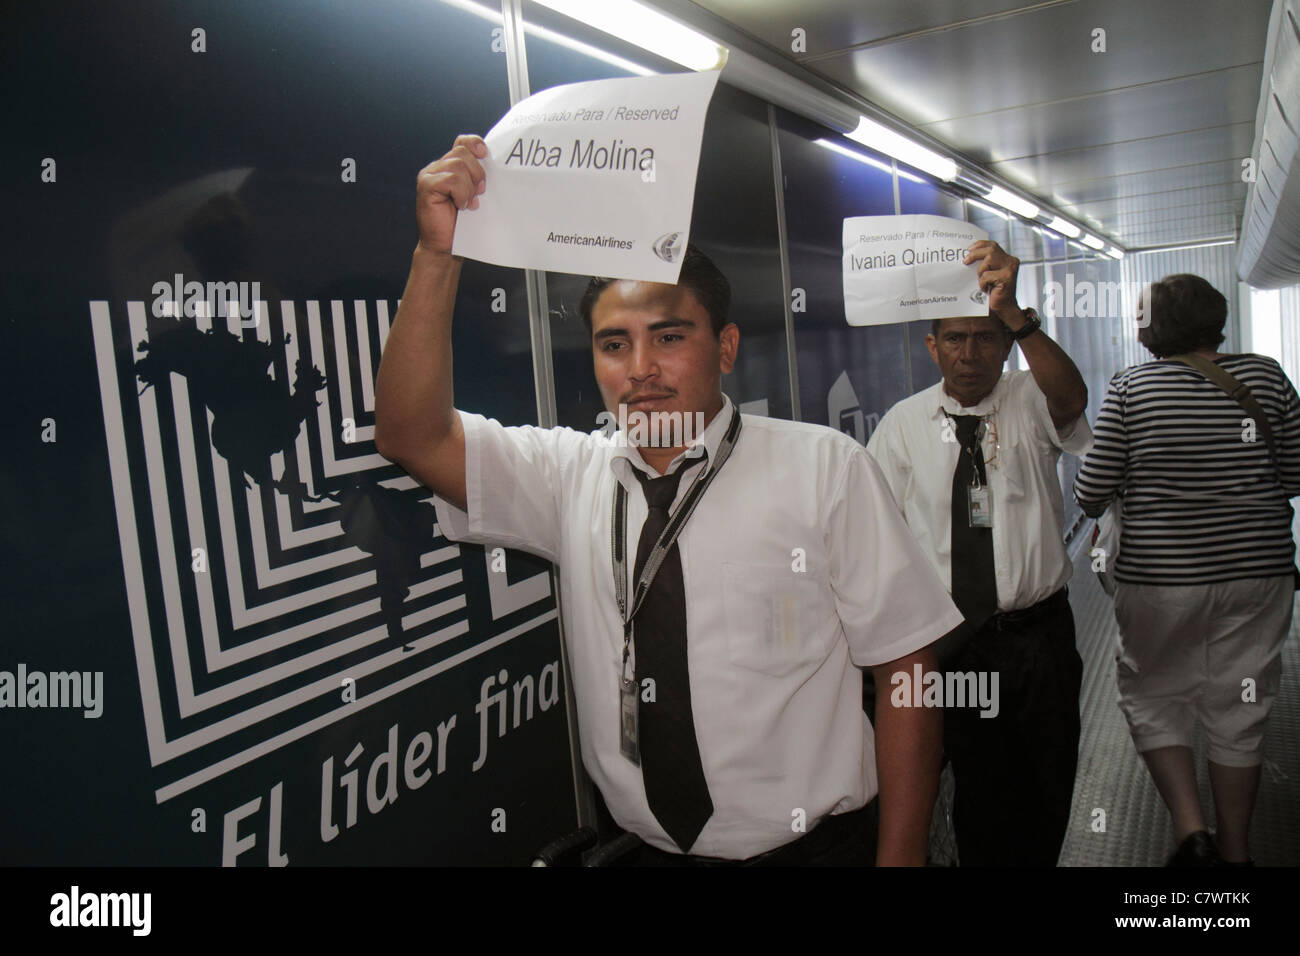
{"x":779,"y":621}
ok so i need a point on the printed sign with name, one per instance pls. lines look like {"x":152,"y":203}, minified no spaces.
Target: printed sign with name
{"x":593,"y":178}
{"x":904,"y":268}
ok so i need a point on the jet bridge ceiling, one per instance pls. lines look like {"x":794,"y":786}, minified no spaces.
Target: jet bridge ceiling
{"x":1142,"y":141}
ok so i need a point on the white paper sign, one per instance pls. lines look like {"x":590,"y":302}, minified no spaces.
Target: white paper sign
{"x":595,"y":178}
{"x":904,"y":268}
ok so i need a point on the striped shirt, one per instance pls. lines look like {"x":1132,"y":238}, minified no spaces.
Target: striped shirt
{"x":1202,"y":500}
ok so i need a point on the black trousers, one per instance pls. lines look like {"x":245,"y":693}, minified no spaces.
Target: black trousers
{"x":1014,"y":773}
{"x":846,"y":839}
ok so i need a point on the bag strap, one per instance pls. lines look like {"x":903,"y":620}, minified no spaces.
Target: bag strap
{"x":1239,"y":392}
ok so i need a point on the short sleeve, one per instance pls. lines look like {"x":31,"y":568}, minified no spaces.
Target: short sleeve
{"x":888,"y":594}
{"x":513,"y":486}
{"x":1074,"y":437}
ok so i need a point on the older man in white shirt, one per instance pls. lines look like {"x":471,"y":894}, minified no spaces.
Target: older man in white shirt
{"x":972,"y":463}
{"x":716,"y":673}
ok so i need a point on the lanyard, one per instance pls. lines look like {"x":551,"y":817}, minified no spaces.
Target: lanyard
{"x":618,"y":526}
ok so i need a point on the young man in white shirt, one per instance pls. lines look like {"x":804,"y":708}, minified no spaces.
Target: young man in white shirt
{"x":793,"y":570}
{"x":972,"y":463}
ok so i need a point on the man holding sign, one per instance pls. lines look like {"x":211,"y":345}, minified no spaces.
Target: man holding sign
{"x":972,"y":463}
{"x":719,"y":590}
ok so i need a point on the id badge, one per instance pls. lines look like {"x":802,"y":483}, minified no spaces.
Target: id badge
{"x":981,"y":507}
{"x":627,"y":724}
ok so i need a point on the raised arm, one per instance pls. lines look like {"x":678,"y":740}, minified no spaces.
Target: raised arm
{"x":416,"y":424}
{"x":1056,"y":375}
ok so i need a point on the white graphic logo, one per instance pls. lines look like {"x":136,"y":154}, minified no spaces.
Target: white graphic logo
{"x":269,"y":552}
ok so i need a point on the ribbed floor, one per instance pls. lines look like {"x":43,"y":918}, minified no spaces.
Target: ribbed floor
{"x":1113,"y":778}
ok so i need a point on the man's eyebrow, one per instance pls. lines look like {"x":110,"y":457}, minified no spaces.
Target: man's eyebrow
{"x":659,"y":326}
{"x":671,"y":323}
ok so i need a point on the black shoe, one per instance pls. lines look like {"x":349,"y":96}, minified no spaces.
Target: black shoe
{"x":1197,"y":850}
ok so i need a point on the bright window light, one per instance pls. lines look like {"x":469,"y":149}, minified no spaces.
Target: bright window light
{"x":1009,"y":200}
{"x":854,"y":154}
{"x":646,"y":28}
{"x":987,"y":208}
{"x":1093,"y":241}
{"x":884,"y":140}
{"x":1065,"y":228}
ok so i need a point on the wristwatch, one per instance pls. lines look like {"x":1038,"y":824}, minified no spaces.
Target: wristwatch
{"x":1032,"y":324}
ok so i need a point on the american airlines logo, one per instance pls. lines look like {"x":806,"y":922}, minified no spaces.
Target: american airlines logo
{"x":280,"y":573}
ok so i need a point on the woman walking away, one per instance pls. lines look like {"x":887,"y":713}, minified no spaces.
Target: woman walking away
{"x":1205,"y":572}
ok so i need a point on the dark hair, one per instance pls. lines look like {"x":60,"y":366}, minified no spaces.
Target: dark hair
{"x":699,"y":274}
{"x":1184,"y":313}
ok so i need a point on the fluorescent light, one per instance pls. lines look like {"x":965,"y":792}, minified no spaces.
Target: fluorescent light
{"x":885,"y":140}
{"x":1226,"y":241}
{"x":1093,"y":241}
{"x":1065,"y":228}
{"x":986,"y":207}
{"x":646,"y":28}
{"x":596,"y":53}
{"x":854,"y":154}
{"x":1115,"y":253}
{"x":1009,"y":200}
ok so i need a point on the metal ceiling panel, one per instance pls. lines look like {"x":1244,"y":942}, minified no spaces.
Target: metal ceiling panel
{"x":1046,"y":55}
{"x":832,"y":25}
{"x":1117,"y":159}
{"x":1142,"y":142}
{"x":1200,"y":101}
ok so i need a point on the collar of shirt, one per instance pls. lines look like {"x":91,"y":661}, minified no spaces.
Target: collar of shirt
{"x":626,"y":456}
{"x":947,"y":405}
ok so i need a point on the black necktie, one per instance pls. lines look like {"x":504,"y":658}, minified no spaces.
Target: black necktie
{"x":974,"y":579}
{"x":670,"y":757}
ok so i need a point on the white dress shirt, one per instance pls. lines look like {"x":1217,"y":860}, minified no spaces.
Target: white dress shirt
{"x":917,"y":450}
{"x":797,"y":566}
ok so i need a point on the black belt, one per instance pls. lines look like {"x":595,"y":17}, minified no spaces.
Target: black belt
{"x":1019,"y":616}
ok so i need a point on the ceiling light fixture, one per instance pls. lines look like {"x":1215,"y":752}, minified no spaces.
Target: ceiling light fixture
{"x":854,"y":154}
{"x":1093,"y":241}
{"x":1009,"y":200}
{"x":885,"y":140}
{"x":1065,"y":228}
{"x":649,"y":29}
{"x":985,"y":206}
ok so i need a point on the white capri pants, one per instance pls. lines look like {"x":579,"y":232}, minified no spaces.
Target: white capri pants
{"x":1184,"y":653}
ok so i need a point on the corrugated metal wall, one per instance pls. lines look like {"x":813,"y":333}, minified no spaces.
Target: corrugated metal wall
{"x":1289,"y":311}
{"x":1215,"y":264}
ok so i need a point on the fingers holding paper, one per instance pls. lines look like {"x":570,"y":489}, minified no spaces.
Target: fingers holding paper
{"x":445,"y":187}
{"x":997,"y":277}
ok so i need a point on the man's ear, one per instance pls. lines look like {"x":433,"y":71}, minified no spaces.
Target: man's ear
{"x":728,"y":341}
{"x":932,"y":344}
